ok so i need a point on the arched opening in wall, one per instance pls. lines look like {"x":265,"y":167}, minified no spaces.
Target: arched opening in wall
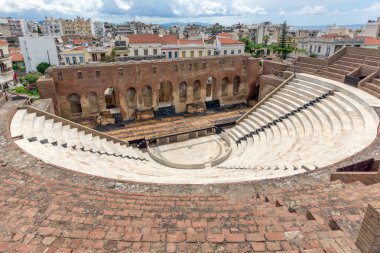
{"x":225,"y":82}
{"x":75,"y":105}
{"x":110,"y":98}
{"x":236,"y":85}
{"x":131,"y":97}
{"x":147,"y":96}
{"x":196,"y":90}
{"x":210,"y":84}
{"x":165,"y":94}
{"x":183,"y":92}
{"x":93,"y":102}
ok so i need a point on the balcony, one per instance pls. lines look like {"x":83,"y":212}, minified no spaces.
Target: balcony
{"x":5,"y":71}
{"x":4,"y":56}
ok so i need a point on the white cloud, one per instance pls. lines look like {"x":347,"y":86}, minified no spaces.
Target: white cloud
{"x":374,"y":8}
{"x":69,"y":7}
{"x":313,"y":10}
{"x":198,"y":8}
{"x":247,"y":7}
{"x":125,"y":6}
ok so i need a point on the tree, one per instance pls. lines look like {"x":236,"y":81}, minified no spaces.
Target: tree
{"x":284,"y":47}
{"x":266,"y":40}
{"x":42,"y":67}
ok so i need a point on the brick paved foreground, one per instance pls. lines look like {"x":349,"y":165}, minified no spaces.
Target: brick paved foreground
{"x":47,"y":209}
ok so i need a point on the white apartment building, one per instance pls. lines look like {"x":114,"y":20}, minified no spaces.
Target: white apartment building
{"x":34,"y":53}
{"x":226,"y":46}
{"x":371,"y":29}
{"x":98,"y":29}
{"x":52,"y":27}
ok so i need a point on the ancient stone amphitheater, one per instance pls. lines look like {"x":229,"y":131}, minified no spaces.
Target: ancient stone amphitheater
{"x":297,"y":173}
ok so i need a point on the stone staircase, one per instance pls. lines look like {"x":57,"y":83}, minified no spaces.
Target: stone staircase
{"x":293,"y":131}
{"x":372,"y":86}
{"x":31,"y":127}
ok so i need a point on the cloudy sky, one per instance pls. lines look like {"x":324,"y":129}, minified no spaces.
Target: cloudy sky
{"x":296,"y":12}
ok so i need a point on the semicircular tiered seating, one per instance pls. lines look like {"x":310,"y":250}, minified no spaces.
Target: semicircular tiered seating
{"x":309,"y":123}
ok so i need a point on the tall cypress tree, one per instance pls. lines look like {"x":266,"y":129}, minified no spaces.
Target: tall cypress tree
{"x":284,"y":43}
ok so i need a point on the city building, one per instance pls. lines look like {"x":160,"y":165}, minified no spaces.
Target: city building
{"x":6,"y":70}
{"x":52,"y":27}
{"x":195,"y":48}
{"x":5,"y":28}
{"x":328,"y":45}
{"x":136,"y":28}
{"x":268,"y":33}
{"x":144,"y":44}
{"x":227,"y":46}
{"x":73,"y":56}
{"x":371,"y":29}
{"x":98,"y":29}
{"x":34,"y":53}
{"x":16,"y":56}
{"x":10,"y":27}
{"x":337,"y":30}
{"x":77,"y":26}
{"x":170,"y":46}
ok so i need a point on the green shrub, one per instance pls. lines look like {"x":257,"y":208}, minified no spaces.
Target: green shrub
{"x":42,"y":67}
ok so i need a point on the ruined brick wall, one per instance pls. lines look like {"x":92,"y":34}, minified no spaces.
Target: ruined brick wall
{"x":367,"y":178}
{"x":268,"y":84}
{"x":137,"y":84}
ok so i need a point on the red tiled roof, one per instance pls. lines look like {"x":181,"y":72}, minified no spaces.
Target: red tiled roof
{"x":79,"y":41}
{"x":169,"y":39}
{"x":78,"y":48}
{"x":3,"y":43}
{"x":184,"y":42}
{"x":16,"y":56}
{"x":144,"y":38}
{"x":225,"y":41}
{"x":225,"y":35}
{"x":371,"y":41}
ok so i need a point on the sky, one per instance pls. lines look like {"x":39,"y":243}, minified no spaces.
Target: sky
{"x":226,"y":12}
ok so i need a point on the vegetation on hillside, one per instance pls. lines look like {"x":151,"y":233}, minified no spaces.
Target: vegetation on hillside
{"x":28,"y":85}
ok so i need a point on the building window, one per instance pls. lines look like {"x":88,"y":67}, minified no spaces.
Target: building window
{"x":232,"y":51}
{"x":155,"y":51}
{"x":94,"y":57}
{"x":170,"y":55}
{"x":328,"y":51}
{"x":225,"y":52}
{"x":145,"y":51}
{"x":319,"y":50}
{"x":191,"y":54}
{"x":176,"y":55}
{"x":59,"y":76}
{"x":68,"y":60}
{"x":97,"y":73}
{"x":239,"y":51}
{"x":200,"y":53}
{"x":136,"y":52}
{"x":183,"y":54}
{"x":209,"y":52}
{"x":74,"y":60}
{"x":79,"y":74}
{"x":154,"y":69}
{"x":81,"y":59}
{"x":120,"y":71}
